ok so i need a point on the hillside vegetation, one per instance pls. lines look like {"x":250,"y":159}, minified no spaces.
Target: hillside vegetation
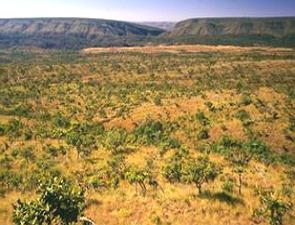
{"x":149,"y":138}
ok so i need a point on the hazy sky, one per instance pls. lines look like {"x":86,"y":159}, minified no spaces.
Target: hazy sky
{"x":148,"y":10}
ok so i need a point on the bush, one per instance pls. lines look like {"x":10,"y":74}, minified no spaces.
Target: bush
{"x":32,"y":213}
{"x":150,"y":132}
{"x":210,"y":106}
{"x":257,"y":148}
{"x":203,"y":134}
{"x":242,"y":115}
{"x":28,"y":154}
{"x":260,"y":151}
{"x":228,"y":186}
{"x":245,"y":100}
{"x":173,"y":168}
{"x":55,"y":151}
{"x":153,"y":133}
{"x":158,"y":100}
{"x":84,"y":137}
{"x":115,"y":140}
{"x":138,"y":176}
{"x":60,"y":121}
{"x":2,"y":129}
{"x":203,"y":120}
{"x":59,"y":201}
{"x":273,"y":208}
{"x":28,"y":134}
{"x":14,"y":128}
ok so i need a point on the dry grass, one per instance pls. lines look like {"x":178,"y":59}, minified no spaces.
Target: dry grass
{"x":175,"y":204}
{"x":186,"y":49}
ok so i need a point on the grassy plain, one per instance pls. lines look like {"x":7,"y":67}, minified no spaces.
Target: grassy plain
{"x":91,"y":115}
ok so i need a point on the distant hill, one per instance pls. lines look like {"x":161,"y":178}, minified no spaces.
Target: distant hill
{"x":72,"y":32}
{"x":77,"y":33}
{"x":162,"y":25}
{"x":276,"y":31}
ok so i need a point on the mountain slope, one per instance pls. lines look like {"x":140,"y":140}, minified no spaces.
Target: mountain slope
{"x":77,"y":33}
{"x":234,"y":30}
{"x":162,"y":25}
{"x":71,"y":32}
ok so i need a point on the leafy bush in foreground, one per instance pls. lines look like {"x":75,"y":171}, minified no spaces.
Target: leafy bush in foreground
{"x":273,"y":207}
{"x":59,"y":201}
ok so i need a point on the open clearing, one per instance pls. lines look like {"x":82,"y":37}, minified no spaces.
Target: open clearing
{"x":188,"y":49}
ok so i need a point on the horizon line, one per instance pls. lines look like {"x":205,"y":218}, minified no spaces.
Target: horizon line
{"x":148,"y":21}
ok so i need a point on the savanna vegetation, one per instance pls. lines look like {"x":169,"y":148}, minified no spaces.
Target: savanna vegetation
{"x":200,"y":137}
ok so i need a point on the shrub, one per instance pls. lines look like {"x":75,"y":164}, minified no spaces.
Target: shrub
{"x":150,"y":132}
{"x":115,"y":140}
{"x":153,"y":133}
{"x":84,"y":136}
{"x":2,"y":129}
{"x":32,"y":213}
{"x":138,"y":176}
{"x":203,"y":120}
{"x":14,"y":128}
{"x":55,"y":151}
{"x":173,"y":168}
{"x":60,"y":121}
{"x":242,"y":115}
{"x":210,"y":106}
{"x":246,"y":100}
{"x":260,"y":151}
{"x":203,"y":134}
{"x":115,"y":170}
{"x":258,"y":148}
{"x":273,"y":208}
{"x":172,"y":171}
{"x":28,"y":154}
{"x":59,"y":201}
{"x":228,"y":186}
{"x":158,"y":100}
{"x":224,"y":145}
{"x":28,"y":134}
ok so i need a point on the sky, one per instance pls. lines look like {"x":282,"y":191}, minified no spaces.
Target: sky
{"x":147,"y":10}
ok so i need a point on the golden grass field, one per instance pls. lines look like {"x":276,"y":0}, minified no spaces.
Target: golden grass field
{"x":121,"y":88}
{"x":186,"y":49}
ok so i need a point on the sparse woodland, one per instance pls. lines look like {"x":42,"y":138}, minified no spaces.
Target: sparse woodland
{"x":157,"y":139}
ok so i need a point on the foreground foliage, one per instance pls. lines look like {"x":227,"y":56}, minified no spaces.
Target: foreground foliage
{"x":58,"y":201}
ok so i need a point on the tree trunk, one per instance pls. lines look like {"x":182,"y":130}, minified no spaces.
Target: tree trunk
{"x":143,"y":188}
{"x":240,"y":183}
{"x":199,"y":187}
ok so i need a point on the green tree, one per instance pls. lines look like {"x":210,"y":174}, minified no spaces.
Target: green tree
{"x":139,"y":177}
{"x":199,"y":171}
{"x":240,"y":158}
